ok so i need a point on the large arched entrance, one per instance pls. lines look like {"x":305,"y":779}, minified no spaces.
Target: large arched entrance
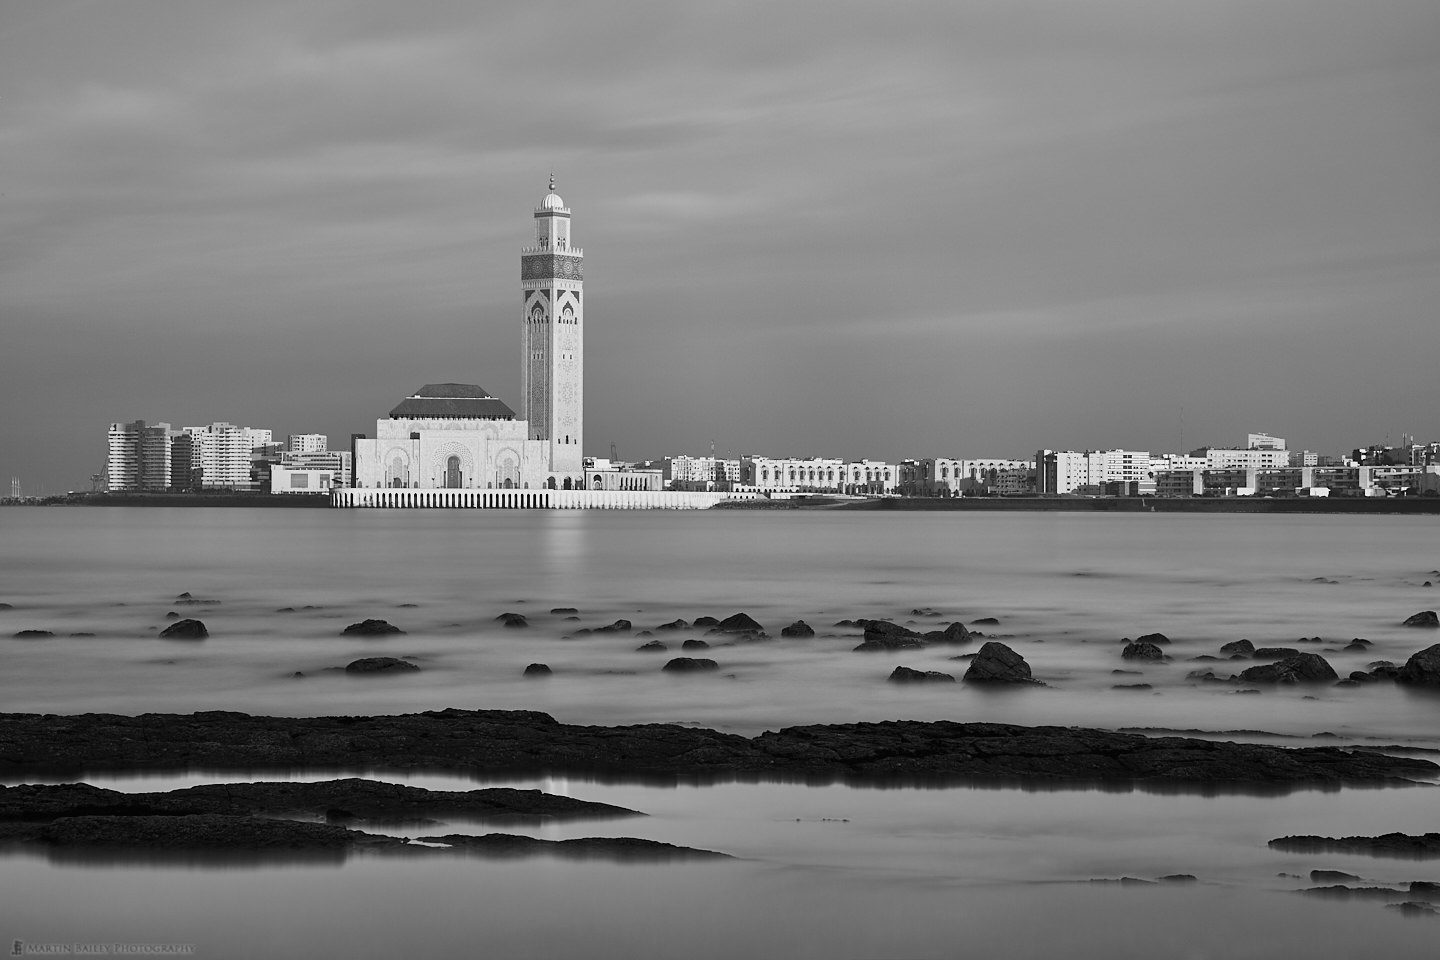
{"x":454,"y":480}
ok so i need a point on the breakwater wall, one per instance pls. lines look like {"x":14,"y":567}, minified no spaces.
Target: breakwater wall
{"x":401,"y":499}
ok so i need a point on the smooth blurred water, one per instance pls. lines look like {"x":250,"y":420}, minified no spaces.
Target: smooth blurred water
{"x":824,"y":871}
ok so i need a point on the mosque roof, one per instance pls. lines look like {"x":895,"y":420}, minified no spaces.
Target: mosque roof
{"x":453,"y":401}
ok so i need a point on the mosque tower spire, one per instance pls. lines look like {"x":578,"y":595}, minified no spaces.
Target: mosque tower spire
{"x":552,"y":281}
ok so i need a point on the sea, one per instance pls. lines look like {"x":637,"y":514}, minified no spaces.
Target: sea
{"x":829,"y":870}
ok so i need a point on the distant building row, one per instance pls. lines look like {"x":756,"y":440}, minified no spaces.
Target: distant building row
{"x":158,"y":458}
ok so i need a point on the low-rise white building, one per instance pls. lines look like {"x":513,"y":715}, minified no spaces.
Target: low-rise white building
{"x":288,"y":480}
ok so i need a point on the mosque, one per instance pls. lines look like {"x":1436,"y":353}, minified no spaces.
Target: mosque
{"x":455,"y":436}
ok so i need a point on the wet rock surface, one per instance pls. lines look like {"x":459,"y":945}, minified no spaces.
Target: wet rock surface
{"x":371,"y":628}
{"x":1408,"y":846}
{"x":185,"y":630}
{"x":379,"y":665}
{"x":1422,"y":669}
{"x":537,"y":670}
{"x":521,"y":741}
{"x":690,"y":665}
{"x":1425,"y":618}
{"x":996,"y":663}
{"x":1301,"y":668}
{"x":349,"y":798}
{"x":907,"y":675}
{"x":1142,"y":650}
{"x":583,"y":848}
{"x":798,"y":629}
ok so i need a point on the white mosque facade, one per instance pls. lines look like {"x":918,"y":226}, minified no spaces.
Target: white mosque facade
{"x":456,"y":436}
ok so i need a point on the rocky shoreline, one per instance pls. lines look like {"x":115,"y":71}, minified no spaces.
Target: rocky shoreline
{"x":518,"y":742}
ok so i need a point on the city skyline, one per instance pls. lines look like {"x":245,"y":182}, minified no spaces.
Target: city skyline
{"x":975,"y":229}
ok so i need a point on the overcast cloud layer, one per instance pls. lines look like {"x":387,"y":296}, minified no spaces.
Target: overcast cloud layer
{"x":878,"y":229}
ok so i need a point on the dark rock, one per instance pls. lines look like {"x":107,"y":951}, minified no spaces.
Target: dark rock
{"x":1275,"y":653}
{"x":82,"y":633}
{"x":1243,"y":647}
{"x":283,"y":610}
{"x":379,"y":665}
{"x":356,"y":797}
{"x":1340,"y":891}
{"x":1428,"y":887}
{"x":7,"y":606}
{"x":986,"y":622}
{"x":1178,"y":878}
{"x":706,"y":622}
{"x":1360,"y":676}
{"x":297,"y":675}
{"x":1355,"y":647}
{"x":619,"y":626}
{"x":185,"y":630}
{"x":583,"y":848}
{"x":33,"y":634}
{"x":1159,"y":639}
{"x":996,"y":663}
{"x":171,"y":615}
{"x":645,"y":633}
{"x":370,"y":628}
{"x":407,"y":606}
{"x":1384,"y":670}
{"x":522,"y":743}
{"x":694,"y":645}
{"x":674,"y":625}
{"x":512,"y":620}
{"x":739,"y":623}
{"x":537,"y":670}
{"x":1422,"y":669}
{"x":1205,"y":658}
{"x":1123,"y":881}
{"x":1407,"y":846}
{"x":953,"y":634}
{"x":798,"y":629}
{"x":1413,"y":908}
{"x":1331,"y":876}
{"x":907,"y":675}
{"x":654,"y":646}
{"x":564,"y":610}
{"x":1131,"y":686}
{"x":1130,"y":673}
{"x":1142,"y":650}
{"x":1302,"y":668}
{"x":1425,"y":618}
{"x":689,"y":665}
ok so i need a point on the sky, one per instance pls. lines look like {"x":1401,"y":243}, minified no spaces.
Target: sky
{"x":887,"y":230}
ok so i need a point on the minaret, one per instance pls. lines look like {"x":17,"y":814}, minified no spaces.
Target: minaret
{"x":553,"y":384}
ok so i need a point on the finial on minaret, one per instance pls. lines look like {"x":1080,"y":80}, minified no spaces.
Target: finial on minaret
{"x":552,"y":181}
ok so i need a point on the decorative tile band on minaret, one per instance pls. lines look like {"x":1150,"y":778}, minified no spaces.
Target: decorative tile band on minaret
{"x":552,"y":281}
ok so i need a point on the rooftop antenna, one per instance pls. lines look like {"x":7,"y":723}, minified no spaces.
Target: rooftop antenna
{"x":1182,"y":428}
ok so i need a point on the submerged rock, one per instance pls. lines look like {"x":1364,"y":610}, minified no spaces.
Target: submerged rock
{"x":694,"y":645}
{"x":996,"y":663}
{"x":1422,"y":669}
{"x":33,"y":634}
{"x":1302,"y":668}
{"x":654,"y":646}
{"x":676,"y":624}
{"x":798,"y":629}
{"x":563,"y":611}
{"x":185,"y":630}
{"x":203,"y":832}
{"x":512,"y":620}
{"x":885,"y":643}
{"x":537,"y":670}
{"x":1242,"y":647}
{"x":907,"y":675}
{"x":706,"y":622}
{"x":370,"y":628}
{"x":1425,"y":618}
{"x":689,"y":665}
{"x":1159,"y":639}
{"x":379,"y":665}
